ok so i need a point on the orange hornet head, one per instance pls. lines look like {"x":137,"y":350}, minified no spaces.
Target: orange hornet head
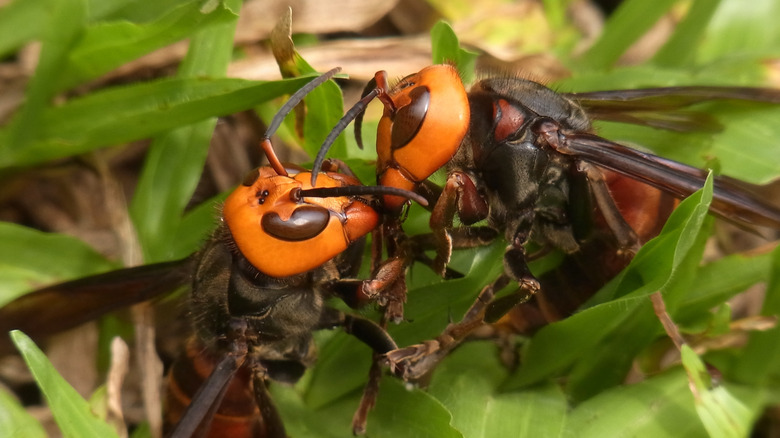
{"x":283,"y":234}
{"x":422,"y":129}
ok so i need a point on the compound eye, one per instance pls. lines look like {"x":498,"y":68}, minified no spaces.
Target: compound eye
{"x":409,"y":119}
{"x":509,"y":120}
{"x":306,"y":222}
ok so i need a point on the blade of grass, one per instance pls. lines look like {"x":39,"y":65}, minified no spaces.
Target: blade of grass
{"x":661,"y":406}
{"x":468,"y":384}
{"x":680,"y":49}
{"x":561,"y":344}
{"x":723,"y":415}
{"x":15,"y":421}
{"x":745,"y":34}
{"x":12,"y":34}
{"x":71,"y":412}
{"x":31,"y":259}
{"x":631,"y":20}
{"x":761,"y":361}
{"x":445,"y":48}
{"x":146,"y":109}
{"x":175,"y":160}
{"x":61,"y":33}
{"x":106,"y":46}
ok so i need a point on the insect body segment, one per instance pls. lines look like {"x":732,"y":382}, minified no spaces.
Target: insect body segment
{"x":517,"y":154}
{"x":259,"y":289}
{"x":267,"y":216}
{"x":422,"y":126}
{"x":530,"y":165}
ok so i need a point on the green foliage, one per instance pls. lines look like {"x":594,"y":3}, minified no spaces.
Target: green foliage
{"x":472,"y":394}
{"x":71,"y":412}
{"x":31,"y":259}
{"x":446,"y":50}
{"x":15,"y":421}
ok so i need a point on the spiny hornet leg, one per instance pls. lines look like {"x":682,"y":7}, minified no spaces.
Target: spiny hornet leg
{"x":515,"y":265}
{"x":336,"y":165}
{"x":625,"y":235}
{"x":379,"y":340}
{"x":388,"y":287}
{"x":388,"y":284}
{"x":417,"y":361}
{"x":462,"y":238}
{"x":368,"y":399}
{"x":516,"y":260}
{"x":273,"y":425}
{"x":441,"y":221}
{"x":460,"y":196}
{"x":377,"y":238}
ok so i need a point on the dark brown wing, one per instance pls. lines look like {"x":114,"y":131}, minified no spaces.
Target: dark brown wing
{"x":66,"y":305}
{"x":664,"y":107}
{"x":731,"y":199}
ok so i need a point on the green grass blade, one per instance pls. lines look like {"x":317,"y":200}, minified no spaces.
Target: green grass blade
{"x":445,"y":48}
{"x":760,"y":363}
{"x":71,"y":412}
{"x":661,"y":406}
{"x":723,"y":415}
{"x":680,"y":49}
{"x":106,"y":46}
{"x":631,"y":20}
{"x":31,"y":259}
{"x":468,"y":384}
{"x":61,"y":33}
{"x":20,"y":23}
{"x":146,"y":109}
{"x":15,"y":421}
{"x":745,"y":34}
{"x":559,"y":345}
{"x":175,"y":161}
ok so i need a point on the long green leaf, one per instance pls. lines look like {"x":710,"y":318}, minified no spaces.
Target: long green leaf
{"x":629,"y":22}
{"x":761,"y":360}
{"x":15,"y":421}
{"x":12,"y":33}
{"x":31,"y":259}
{"x":62,"y":31}
{"x":661,"y":406}
{"x":71,"y":412}
{"x":106,"y":46}
{"x":723,"y":415}
{"x":175,"y":161}
{"x":679,"y":50}
{"x":137,"y":111}
{"x":445,"y":48}
{"x":468,"y":384}
{"x":398,"y":412}
{"x":743,"y":33}
{"x":559,"y":345}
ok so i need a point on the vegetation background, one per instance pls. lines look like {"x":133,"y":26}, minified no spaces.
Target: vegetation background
{"x":123,"y":122}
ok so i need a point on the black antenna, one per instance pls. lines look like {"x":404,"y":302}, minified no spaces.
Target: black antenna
{"x":330,"y":192}
{"x":288,"y":106}
{"x":353,"y":112}
{"x":371,"y":85}
{"x":375,"y":88}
